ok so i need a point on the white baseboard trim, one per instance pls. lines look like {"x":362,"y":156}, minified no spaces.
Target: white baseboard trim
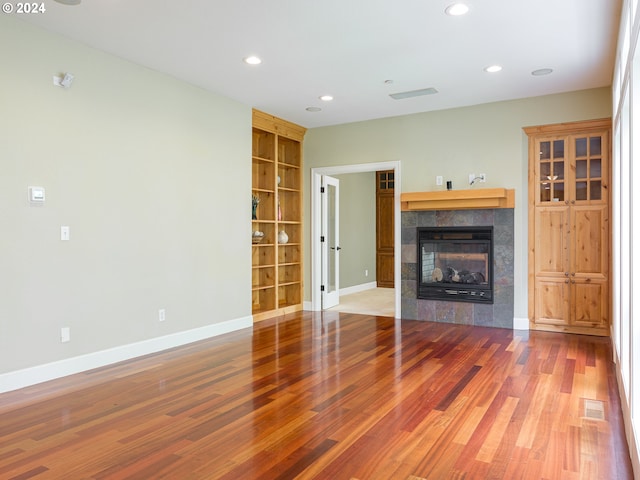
{"x":520,"y":323}
{"x":358,"y":288}
{"x":49,"y":371}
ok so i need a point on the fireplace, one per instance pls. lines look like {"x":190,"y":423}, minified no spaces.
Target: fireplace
{"x":455,"y":264}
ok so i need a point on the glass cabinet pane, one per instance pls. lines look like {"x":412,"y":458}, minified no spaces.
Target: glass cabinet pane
{"x":596,"y":168}
{"x":581,"y":147}
{"x":558,"y":192}
{"x":581,"y":169}
{"x":558,"y":149}
{"x":595,"y":146}
{"x":581,"y":190}
{"x":545,"y":150}
{"x":545,"y":192}
{"x":558,"y":171}
{"x":545,"y":170}
{"x":596,"y":190}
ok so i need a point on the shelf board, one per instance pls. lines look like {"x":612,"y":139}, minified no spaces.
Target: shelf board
{"x":285,"y":189}
{"x":287,"y":165}
{"x":263,"y":266}
{"x":264,"y":190}
{"x":288,"y":283}
{"x":262,"y":159}
{"x":287,"y":264}
{"x":262,"y":287}
{"x":458,"y":199}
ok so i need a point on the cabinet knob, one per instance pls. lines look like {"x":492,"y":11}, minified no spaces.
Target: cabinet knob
{"x":573,"y":201}
{"x":567,"y":202}
{"x":566,"y":274}
{"x":566,"y":281}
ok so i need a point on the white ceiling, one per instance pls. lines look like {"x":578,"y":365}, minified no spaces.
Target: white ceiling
{"x":348,"y":48}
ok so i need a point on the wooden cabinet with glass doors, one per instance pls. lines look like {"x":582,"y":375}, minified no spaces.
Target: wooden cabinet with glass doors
{"x":569,"y":234}
{"x":276,"y":216}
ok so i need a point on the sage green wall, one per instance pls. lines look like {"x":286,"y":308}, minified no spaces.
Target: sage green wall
{"x":151,"y":174}
{"x":357,"y":228}
{"x":485,"y":138}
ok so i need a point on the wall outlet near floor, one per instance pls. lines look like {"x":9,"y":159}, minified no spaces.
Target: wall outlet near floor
{"x":161,"y":315}
{"x":65,"y":334}
{"x":366,"y":273}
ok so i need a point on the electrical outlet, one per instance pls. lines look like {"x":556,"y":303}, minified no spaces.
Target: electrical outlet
{"x":65,"y":334}
{"x":482,"y":177}
{"x":472,"y":177}
{"x":161,"y":315}
{"x":366,"y":273}
{"x":439,"y":180}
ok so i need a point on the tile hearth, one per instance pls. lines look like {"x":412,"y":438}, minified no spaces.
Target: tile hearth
{"x":500,"y":313}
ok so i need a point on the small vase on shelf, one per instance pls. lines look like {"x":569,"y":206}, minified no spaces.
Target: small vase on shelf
{"x":283,"y":237}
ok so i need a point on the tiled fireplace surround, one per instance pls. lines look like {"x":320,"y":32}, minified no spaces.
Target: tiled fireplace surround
{"x":500,"y":314}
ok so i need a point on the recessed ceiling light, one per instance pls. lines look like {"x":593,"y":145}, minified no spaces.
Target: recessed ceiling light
{"x":313,"y":109}
{"x":388,"y":82}
{"x":493,"y":68}
{"x":326,"y":98}
{"x":542,"y":71}
{"x":252,"y":60}
{"x":456,"y":9}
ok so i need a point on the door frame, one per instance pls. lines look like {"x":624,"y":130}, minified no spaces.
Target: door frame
{"x":316,"y":261}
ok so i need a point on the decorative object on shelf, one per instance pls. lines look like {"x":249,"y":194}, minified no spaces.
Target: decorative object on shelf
{"x":283,"y":237}
{"x":278,"y":179}
{"x":257,"y":236}
{"x":255,"y":201}
{"x":279,"y":210}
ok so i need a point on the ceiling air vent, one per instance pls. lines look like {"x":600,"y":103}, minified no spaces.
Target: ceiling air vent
{"x":413,"y":93}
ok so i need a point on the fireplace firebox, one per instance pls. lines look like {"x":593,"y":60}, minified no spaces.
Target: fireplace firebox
{"x":456,"y":264}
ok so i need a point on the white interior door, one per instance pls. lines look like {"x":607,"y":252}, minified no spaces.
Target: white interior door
{"x":330,"y":239}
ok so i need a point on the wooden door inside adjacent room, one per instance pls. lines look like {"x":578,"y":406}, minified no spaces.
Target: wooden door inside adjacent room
{"x":385,"y":185}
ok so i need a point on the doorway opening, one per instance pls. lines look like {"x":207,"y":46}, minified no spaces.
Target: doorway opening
{"x":316,"y":220}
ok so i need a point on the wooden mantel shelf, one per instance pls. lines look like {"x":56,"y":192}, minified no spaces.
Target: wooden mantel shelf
{"x":458,"y":199}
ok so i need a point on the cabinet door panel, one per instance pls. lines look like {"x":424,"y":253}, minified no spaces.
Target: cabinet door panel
{"x":551,"y":241}
{"x":550,"y":169}
{"x":552,"y":302}
{"x":590,"y":304}
{"x":590,"y":251}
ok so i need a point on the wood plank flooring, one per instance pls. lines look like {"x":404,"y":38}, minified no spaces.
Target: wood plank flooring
{"x":331,"y":396}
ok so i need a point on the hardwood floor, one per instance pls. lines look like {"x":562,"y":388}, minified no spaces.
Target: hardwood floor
{"x":331,"y":396}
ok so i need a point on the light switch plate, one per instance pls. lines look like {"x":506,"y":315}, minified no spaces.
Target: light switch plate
{"x":65,"y":233}
{"x":36,"y":194}
{"x":65,"y":334}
